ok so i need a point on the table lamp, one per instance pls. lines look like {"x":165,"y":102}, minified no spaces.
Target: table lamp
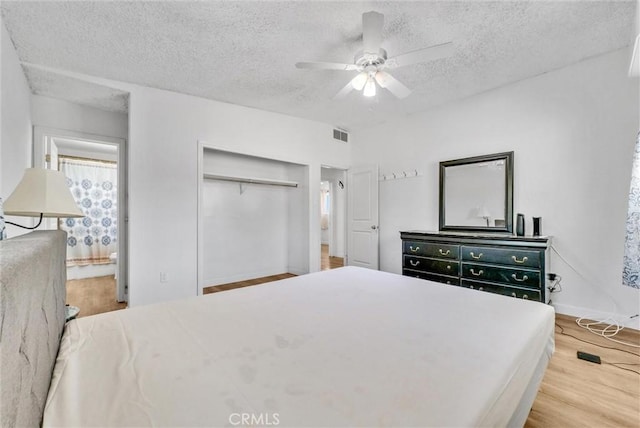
{"x":41,"y":193}
{"x":484,"y":213}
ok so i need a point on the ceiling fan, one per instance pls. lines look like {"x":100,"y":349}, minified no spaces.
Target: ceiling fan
{"x":372,"y":61}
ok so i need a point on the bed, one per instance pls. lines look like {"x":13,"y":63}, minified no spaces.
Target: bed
{"x":347,"y":347}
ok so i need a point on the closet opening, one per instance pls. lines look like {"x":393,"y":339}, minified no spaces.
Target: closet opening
{"x":333,"y":215}
{"x":253,"y":222}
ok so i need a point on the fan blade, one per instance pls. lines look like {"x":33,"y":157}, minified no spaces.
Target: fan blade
{"x":344,"y":91}
{"x":421,"y":55}
{"x":372,"y":32}
{"x":387,"y":81}
{"x":326,"y":66}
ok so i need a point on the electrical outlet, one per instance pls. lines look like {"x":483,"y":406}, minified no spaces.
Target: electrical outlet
{"x":163,"y":277}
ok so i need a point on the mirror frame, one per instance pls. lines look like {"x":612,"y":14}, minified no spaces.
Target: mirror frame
{"x":508,"y":203}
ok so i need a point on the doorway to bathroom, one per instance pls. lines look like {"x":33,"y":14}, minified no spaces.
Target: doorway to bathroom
{"x":96,"y":243}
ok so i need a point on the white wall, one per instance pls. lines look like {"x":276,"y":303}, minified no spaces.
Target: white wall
{"x":15,"y":123}
{"x":60,"y":114}
{"x":165,"y":128}
{"x":298,"y":221}
{"x":573,"y":132}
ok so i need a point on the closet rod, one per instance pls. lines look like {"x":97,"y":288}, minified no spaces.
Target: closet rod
{"x":250,"y":180}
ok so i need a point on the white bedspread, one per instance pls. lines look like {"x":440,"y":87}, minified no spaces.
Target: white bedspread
{"x":347,"y":347}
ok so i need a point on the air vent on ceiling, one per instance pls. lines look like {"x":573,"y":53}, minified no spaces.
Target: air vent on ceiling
{"x":338,"y":134}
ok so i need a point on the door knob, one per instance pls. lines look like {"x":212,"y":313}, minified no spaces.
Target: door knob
{"x":374,"y":227}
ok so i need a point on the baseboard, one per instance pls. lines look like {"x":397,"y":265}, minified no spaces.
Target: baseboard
{"x":576,"y":311}
{"x":90,"y":271}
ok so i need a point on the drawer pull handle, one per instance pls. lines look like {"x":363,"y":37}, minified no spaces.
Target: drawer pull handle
{"x":414,"y":262}
{"x":525,"y":297}
{"x":481,"y":288}
{"x":515,"y":259}
{"x":444,"y":253}
{"x":514,"y":295}
{"x":474,"y":256}
{"x":524,"y":277}
{"x":473,"y":272}
{"x":471,"y":287}
{"x":449,"y":267}
{"x":414,"y":250}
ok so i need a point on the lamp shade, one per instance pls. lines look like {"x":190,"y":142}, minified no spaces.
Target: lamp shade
{"x":42,"y":191}
{"x":483,"y":212}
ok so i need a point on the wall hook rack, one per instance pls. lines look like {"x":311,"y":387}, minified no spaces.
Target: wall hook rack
{"x":398,"y":175}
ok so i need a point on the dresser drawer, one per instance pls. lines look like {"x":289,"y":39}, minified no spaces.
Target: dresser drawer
{"x":503,"y":256}
{"x":518,"y":277}
{"x":442,"y":267}
{"x":520,"y":293}
{"x":430,"y":249}
{"x":451,"y":280}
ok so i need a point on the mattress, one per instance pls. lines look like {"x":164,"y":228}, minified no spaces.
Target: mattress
{"x":346,"y":347}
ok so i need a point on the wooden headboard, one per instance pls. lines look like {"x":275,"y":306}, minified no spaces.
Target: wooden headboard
{"x":32,"y":318}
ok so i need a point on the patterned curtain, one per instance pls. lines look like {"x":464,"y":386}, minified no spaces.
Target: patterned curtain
{"x":93,"y":183}
{"x":631,"y":269}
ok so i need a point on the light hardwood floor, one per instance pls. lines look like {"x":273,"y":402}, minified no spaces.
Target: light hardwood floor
{"x":327,"y":262}
{"x":577,"y":393}
{"x":93,"y":295}
{"x":247,"y":283}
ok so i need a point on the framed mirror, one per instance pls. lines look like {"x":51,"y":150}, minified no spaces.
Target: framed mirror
{"x":476,"y":194}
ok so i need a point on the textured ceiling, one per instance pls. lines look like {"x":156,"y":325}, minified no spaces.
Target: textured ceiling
{"x":50,"y":84}
{"x":244,"y":52}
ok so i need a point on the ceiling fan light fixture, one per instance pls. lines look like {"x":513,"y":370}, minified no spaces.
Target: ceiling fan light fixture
{"x":359,"y":81}
{"x":369,"y":88}
{"x":372,"y":61}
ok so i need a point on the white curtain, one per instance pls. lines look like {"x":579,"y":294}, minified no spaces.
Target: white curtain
{"x":94,"y":186}
{"x":631,"y":267}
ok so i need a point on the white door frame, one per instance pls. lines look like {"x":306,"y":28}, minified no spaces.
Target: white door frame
{"x":44,"y":135}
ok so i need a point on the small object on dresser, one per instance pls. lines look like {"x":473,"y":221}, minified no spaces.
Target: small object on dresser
{"x":537,"y":226}
{"x":520,"y":225}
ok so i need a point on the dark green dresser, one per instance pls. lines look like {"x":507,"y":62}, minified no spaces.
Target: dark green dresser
{"x":511,"y":265}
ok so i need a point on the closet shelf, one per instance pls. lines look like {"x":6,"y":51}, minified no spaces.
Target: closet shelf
{"x":250,"y":180}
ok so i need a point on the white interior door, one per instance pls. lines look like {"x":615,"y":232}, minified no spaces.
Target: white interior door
{"x":362,"y":248}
